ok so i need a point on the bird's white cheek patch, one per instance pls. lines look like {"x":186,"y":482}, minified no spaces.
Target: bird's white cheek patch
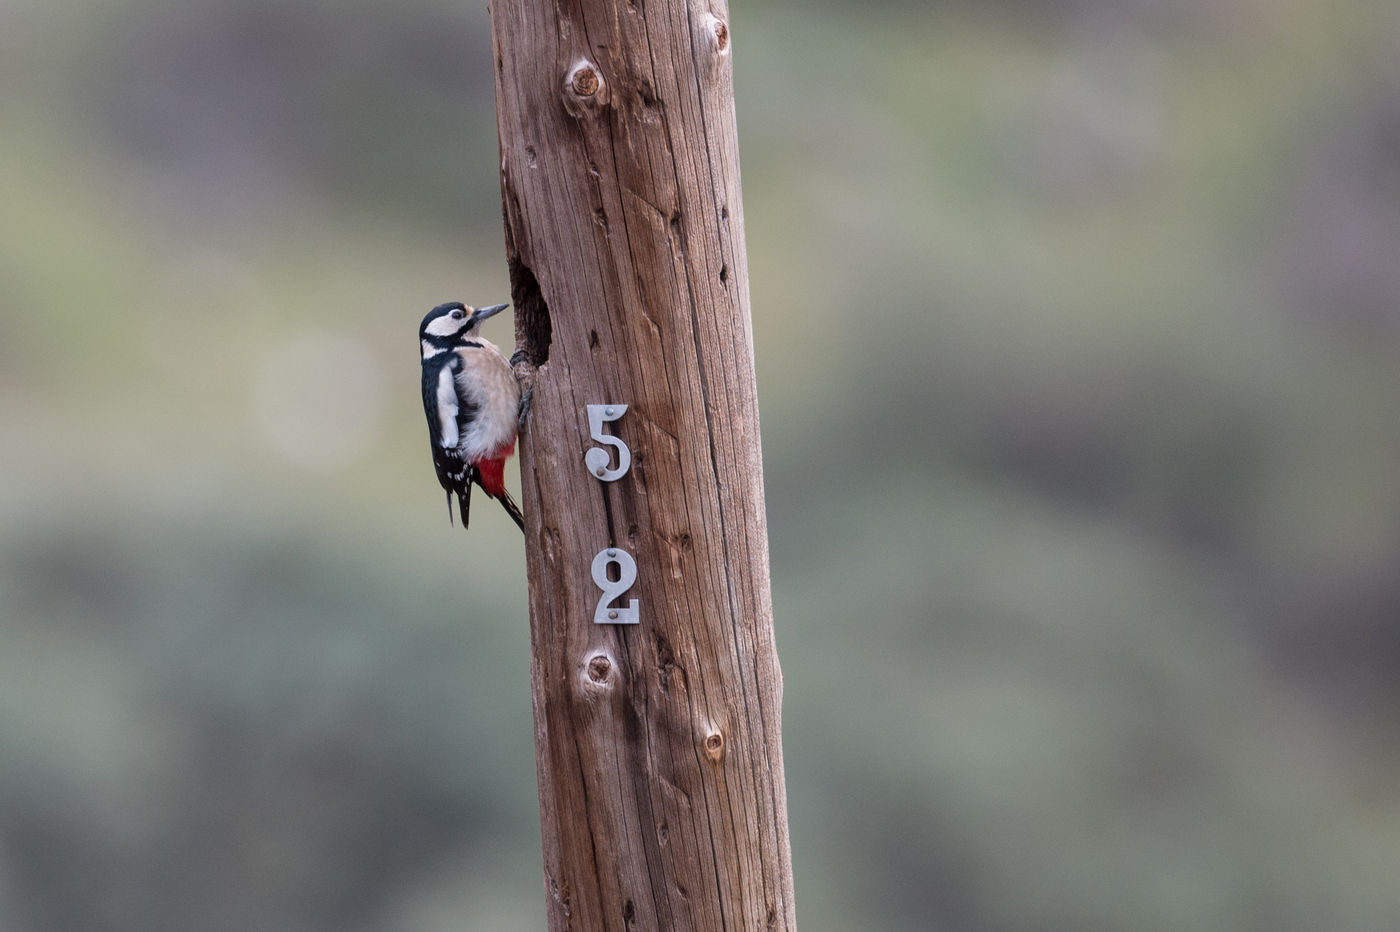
{"x":445,"y":326}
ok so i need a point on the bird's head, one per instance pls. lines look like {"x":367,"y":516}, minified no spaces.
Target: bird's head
{"x":451,"y":324}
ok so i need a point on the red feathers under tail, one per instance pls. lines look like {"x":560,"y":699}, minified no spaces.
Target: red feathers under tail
{"x":491,"y":476}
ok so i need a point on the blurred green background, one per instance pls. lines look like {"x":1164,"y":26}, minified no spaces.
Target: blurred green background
{"x":1078,"y":337}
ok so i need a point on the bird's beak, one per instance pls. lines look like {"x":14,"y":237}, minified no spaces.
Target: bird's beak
{"x":482,"y":313}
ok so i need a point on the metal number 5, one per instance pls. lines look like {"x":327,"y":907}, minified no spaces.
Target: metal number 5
{"x":596,"y":459}
{"x":627,"y":575}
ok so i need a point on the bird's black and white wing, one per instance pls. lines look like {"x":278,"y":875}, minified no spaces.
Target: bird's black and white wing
{"x":444,"y":413}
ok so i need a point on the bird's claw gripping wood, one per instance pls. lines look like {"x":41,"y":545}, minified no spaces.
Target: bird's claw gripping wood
{"x":525,"y":399}
{"x":527,"y":379}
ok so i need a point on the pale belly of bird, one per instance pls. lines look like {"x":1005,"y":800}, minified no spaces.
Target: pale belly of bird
{"x":492,"y":388}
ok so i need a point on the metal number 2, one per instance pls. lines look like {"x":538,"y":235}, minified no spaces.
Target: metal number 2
{"x":596,"y":459}
{"x":604,"y":614}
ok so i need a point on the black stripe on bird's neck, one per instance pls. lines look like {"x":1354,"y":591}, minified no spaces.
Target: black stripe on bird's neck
{"x":434,"y":346}
{"x":440,"y":342}
{"x":451,"y":341}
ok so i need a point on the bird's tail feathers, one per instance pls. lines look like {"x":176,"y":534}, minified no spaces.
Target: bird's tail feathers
{"x":464,"y":498}
{"x":511,"y":508}
{"x":492,"y":486}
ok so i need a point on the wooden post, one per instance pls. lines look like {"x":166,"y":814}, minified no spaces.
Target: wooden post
{"x":657,"y":744}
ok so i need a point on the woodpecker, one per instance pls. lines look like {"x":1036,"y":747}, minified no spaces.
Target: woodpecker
{"x":472,"y":402}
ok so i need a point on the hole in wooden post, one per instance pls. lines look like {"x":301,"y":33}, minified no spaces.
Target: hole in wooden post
{"x":533,"y":330}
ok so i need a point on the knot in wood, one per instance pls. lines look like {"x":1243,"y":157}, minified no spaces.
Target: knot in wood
{"x":599,"y":668}
{"x":714,"y":745}
{"x":597,"y":677}
{"x":584,"y":88}
{"x":718,"y":32}
{"x":584,"y":82}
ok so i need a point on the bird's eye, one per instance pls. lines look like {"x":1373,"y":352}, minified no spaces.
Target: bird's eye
{"x":458,"y":314}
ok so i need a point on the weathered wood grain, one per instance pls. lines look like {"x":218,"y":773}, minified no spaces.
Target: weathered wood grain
{"x":658,"y":747}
